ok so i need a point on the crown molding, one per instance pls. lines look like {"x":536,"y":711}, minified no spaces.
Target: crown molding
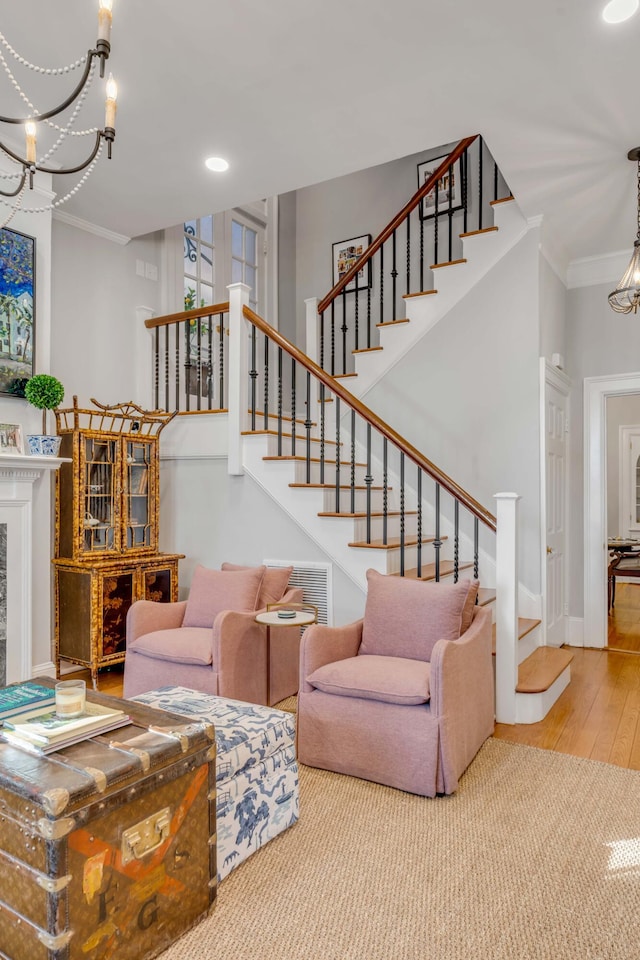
{"x":90,"y":227}
{"x":591,"y":271}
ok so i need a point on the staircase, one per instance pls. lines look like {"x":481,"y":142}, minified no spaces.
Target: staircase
{"x":360,"y":491}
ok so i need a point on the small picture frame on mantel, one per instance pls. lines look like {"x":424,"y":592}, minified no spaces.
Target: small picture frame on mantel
{"x":11,"y":443}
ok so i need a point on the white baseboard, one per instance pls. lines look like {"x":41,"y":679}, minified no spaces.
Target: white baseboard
{"x":575,"y":631}
{"x":46,"y":669}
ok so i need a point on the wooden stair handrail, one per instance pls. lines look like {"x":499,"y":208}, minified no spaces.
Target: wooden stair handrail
{"x":387,"y":431}
{"x":210,"y":311}
{"x":455,"y":154}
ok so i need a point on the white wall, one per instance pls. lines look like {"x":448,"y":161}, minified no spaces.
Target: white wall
{"x":599,"y":343}
{"x":621,"y":411}
{"x":553,"y":311}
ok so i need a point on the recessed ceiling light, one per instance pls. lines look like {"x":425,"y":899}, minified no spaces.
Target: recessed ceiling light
{"x":219,"y":165}
{"x":617,"y":11}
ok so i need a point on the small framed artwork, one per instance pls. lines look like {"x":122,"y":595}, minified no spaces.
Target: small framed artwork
{"x":17,"y":310}
{"x":449,"y":194}
{"x":11,"y":439}
{"x":345,"y":254}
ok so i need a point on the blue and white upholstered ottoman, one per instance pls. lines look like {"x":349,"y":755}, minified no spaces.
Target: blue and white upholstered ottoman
{"x":256,"y":768}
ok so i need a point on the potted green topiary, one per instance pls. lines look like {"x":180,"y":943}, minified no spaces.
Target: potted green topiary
{"x":46,"y":393}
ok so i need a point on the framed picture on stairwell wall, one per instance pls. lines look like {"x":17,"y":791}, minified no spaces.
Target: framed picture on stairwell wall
{"x":345,"y":254}
{"x":450,"y":187}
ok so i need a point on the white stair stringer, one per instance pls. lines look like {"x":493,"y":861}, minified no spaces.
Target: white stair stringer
{"x":482,"y":251}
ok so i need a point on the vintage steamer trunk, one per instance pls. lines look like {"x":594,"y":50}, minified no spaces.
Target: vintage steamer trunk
{"x":108,"y":847}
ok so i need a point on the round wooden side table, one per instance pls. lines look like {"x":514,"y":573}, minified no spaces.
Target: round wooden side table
{"x":304,"y":614}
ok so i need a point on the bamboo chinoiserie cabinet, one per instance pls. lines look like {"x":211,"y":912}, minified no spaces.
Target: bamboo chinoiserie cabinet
{"x":107,"y":507}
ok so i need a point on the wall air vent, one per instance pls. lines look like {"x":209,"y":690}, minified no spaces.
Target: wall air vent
{"x":316,"y":580}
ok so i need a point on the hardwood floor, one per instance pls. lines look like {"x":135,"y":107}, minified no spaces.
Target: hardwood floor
{"x":597,"y":716}
{"x":624,"y":618}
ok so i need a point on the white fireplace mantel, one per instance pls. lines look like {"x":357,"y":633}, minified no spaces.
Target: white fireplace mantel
{"x":18,"y":474}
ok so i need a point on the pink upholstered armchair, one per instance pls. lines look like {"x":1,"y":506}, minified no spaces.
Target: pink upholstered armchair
{"x":404,"y":697}
{"x":211,"y":641}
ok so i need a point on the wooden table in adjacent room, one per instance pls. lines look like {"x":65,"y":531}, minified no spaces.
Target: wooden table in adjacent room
{"x":297,"y":615}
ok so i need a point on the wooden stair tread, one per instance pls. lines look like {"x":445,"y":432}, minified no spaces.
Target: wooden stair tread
{"x":366,"y":349}
{"x":542,"y":668}
{"x":501,"y":200}
{"x":285,"y":436}
{"x":421,"y":293}
{"x":485,"y":596}
{"x":476,"y":233}
{"x":393,"y":543}
{"x":447,"y":263}
{"x":343,"y":376}
{"x":393,"y":323}
{"x":302,"y":459}
{"x":332,"y":486}
{"x":525,"y":626}
{"x":429,"y":570}
{"x":274,"y":416}
{"x":363,"y":516}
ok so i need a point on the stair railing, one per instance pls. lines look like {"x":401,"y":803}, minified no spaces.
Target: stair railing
{"x":190,"y":359}
{"x":453,"y":202}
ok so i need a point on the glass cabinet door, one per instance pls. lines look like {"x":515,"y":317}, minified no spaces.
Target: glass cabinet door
{"x":137,"y":495}
{"x":98,"y":496}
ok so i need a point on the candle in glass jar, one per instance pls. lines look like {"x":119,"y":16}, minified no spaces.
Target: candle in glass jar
{"x":70,"y":698}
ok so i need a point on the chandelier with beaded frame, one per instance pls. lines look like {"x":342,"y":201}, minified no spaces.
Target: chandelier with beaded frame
{"x":22,"y":166}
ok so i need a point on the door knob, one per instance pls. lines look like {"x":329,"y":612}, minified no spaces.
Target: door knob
{"x":549,"y":550}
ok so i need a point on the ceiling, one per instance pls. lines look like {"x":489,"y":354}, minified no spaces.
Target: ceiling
{"x":293,"y":92}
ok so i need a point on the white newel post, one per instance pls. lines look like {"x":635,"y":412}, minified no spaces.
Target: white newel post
{"x":143,"y":371}
{"x":312,"y":338}
{"x":238,"y":370}
{"x":506,"y":606}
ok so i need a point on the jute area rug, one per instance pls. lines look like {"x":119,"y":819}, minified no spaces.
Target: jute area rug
{"x":536,"y":856}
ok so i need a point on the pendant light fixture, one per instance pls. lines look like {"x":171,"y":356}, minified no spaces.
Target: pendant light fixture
{"x":626,"y":297}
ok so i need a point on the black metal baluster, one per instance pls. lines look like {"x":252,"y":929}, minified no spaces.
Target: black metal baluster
{"x":307,"y":425}
{"x":437,"y":543}
{"x":456,"y":540}
{"x":199,"y":364}
{"x":408,"y":290}
{"x":221,"y":398}
{"x":353,"y":461}
{"x":279,"y":401}
{"x":495,"y":180}
{"x":156,"y":375}
{"x":337,"y":455}
{"x":421,"y":247}
{"x":322,"y":425}
{"x":402,"y":533}
{"x":476,"y":548}
{"x":355,"y":314}
{"x":177,"y":336}
{"x":436,"y":222}
{"x":419,"y":524}
{"x":253,"y":373}
{"x":394,"y":274}
{"x":333,"y":338}
{"x":464,"y":161}
{"x":344,"y":328}
{"x":450,"y":213}
{"x":293,"y":407}
{"x":368,"y":481}
{"x":322,"y":339}
{"x":382,"y":284}
{"x":187,"y":363}
{"x":480,"y":176}
{"x":385,"y":491}
{"x":266,"y":382}
{"x":368,"y":310}
{"x":210,"y":363}
{"x":166,"y":367}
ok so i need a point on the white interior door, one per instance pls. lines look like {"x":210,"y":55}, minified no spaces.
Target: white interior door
{"x":629,"y":459}
{"x":554,"y":503}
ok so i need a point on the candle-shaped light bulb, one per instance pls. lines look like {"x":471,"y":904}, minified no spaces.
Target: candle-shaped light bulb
{"x":104,"y":19}
{"x":112,"y":96}
{"x":30,"y":134}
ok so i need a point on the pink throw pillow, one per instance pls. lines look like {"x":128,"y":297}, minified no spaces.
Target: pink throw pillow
{"x":406,"y":618}
{"x":274,"y":582}
{"x":213,"y":591}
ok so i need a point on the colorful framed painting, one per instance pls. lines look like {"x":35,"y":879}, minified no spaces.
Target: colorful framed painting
{"x":17,"y":310}
{"x":345,"y":254}
{"x":449,"y":194}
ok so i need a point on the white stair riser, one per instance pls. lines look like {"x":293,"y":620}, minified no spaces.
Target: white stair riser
{"x":359,"y":502}
{"x":329,"y":473}
{"x":377,"y":527}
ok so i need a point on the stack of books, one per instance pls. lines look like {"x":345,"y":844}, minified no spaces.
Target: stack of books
{"x":42,"y":731}
{"x":22,"y":697}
